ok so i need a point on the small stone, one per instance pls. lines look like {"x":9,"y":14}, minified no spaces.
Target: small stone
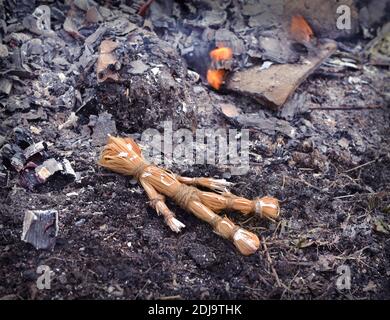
{"x":229,"y":110}
{"x":103,"y":126}
{"x":203,"y":256}
{"x":138,"y":67}
{"x":40,"y":228}
{"x":35,"y":46}
{"x":5,"y":86}
{"x":226,"y":175}
{"x":80,"y":222}
{"x":344,"y":143}
{"x":110,"y":289}
{"x":35,"y":130}
{"x":62,"y":278}
{"x":3,"y":51}
{"x":198,"y":89}
{"x":371,"y":286}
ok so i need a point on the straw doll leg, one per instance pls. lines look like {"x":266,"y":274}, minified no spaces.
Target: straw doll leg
{"x":265,"y":207}
{"x":246,"y":242}
{"x":157,"y":202}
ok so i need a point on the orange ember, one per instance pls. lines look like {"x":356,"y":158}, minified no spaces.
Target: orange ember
{"x":221,"y":54}
{"x":300,"y":29}
{"x":215,"y":78}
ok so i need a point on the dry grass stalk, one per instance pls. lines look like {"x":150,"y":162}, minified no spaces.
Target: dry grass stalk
{"x":124,"y":156}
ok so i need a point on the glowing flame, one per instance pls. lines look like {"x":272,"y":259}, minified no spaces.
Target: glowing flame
{"x":215,"y":78}
{"x":300,"y":29}
{"x":221,"y":54}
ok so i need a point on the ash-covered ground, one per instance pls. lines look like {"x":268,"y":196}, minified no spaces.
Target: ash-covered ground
{"x":325,"y":155}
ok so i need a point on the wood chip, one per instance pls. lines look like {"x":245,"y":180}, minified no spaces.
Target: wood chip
{"x":273,"y":86}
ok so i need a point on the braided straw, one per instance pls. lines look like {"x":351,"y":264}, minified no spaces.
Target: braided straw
{"x":185,"y":194}
{"x":122,"y":157}
{"x":267,"y":207}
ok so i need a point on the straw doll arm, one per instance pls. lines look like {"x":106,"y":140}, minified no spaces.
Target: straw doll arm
{"x":217,"y":185}
{"x":157,"y":202}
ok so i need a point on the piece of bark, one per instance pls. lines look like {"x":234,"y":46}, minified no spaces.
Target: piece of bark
{"x":107,"y":63}
{"x":40,"y":228}
{"x":273,"y":86}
